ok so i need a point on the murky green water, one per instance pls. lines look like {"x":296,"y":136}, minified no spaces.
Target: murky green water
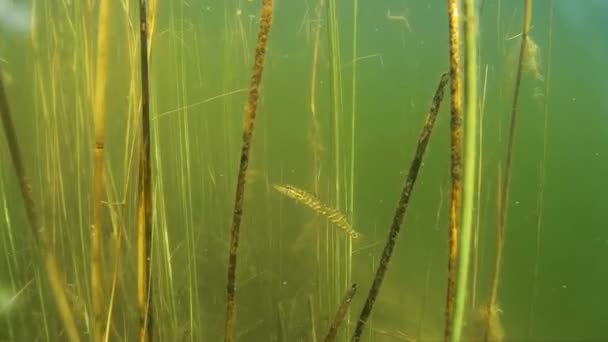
{"x":352,"y":151}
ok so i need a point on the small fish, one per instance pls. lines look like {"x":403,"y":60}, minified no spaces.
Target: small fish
{"x":311,"y":201}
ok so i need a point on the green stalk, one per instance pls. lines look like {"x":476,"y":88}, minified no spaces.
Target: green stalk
{"x":469,"y":163}
{"x":336,"y":112}
{"x":351,"y":209}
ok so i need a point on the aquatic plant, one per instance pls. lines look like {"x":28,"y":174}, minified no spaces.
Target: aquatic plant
{"x":144,"y":209}
{"x":456,"y":158}
{"x":469,"y":166}
{"x":40,"y":233}
{"x":248,"y":124}
{"x":505,"y":180}
{"x":406,"y":192}
{"x":342,"y":311}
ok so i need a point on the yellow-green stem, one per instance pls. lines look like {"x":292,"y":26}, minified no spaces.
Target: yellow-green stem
{"x":470,"y":170}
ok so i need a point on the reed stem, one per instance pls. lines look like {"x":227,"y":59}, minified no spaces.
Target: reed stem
{"x":99,"y":111}
{"x":506,"y":181}
{"x":144,"y":210}
{"x":456,"y":159}
{"x":406,"y":193}
{"x":249,"y":120}
{"x":541,"y":183}
{"x":341,"y":313}
{"x":53,"y":269}
{"x":470,"y":169}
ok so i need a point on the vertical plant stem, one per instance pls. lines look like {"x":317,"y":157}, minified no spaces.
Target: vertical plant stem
{"x":249,"y":120}
{"x":341,"y":313}
{"x":144,"y":210}
{"x":336,"y":110}
{"x":404,"y":200}
{"x":353,"y":111}
{"x":506,"y":182}
{"x":456,"y":159}
{"x":476,"y":254}
{"x":353,"y":117}
{"x":315,"y":140}
{"x":99,"y":110}
{"x":53,"y":271}
{"x":313,"y":319}
{"x":509,"y":161}
{"x":541,"y":183}
{"x":315,"y":130}
{"x":470,"y":170}
{"x":151,"y":7}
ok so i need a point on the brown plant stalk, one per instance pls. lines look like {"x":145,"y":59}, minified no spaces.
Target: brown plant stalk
{"x":503,"y":203}
{"x":456,"y":159}
{"x":249,"y":120}
{"x":404,"y":200}
{"x":144,"y":210}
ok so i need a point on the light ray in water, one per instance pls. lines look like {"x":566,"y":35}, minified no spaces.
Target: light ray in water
{"x":311,"y":201}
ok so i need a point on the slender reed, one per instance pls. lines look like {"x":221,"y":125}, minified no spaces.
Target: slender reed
{"x":99,"y":111}
{"x":456,"y":159}
{"x":313,"y":319}
{"x":506,"y":182}
{"x":249,"y":119}
{"x":353,"y":149}
{"x":315,"y":129}
{"x":476,"y":254}
{"x":470,"y":169}
{"x":334,"y":250}
{"x":406,"y":193}
{"x":315,"y":144}
{"x":40,"y":233}
{"x":151,"y":7}
{"x":541,"y":183}
{"x":341,"y":313}
{"x":514,"y":107}
{"x":144,"y":210}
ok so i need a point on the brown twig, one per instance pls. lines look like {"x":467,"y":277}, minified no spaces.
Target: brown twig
{"x":406,"y":193}
{"x":250,"y":114}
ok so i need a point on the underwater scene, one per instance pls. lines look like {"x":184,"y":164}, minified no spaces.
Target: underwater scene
{"x":311,"y":170}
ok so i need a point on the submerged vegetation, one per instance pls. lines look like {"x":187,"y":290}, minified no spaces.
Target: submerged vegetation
{"x":156,"y":213}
